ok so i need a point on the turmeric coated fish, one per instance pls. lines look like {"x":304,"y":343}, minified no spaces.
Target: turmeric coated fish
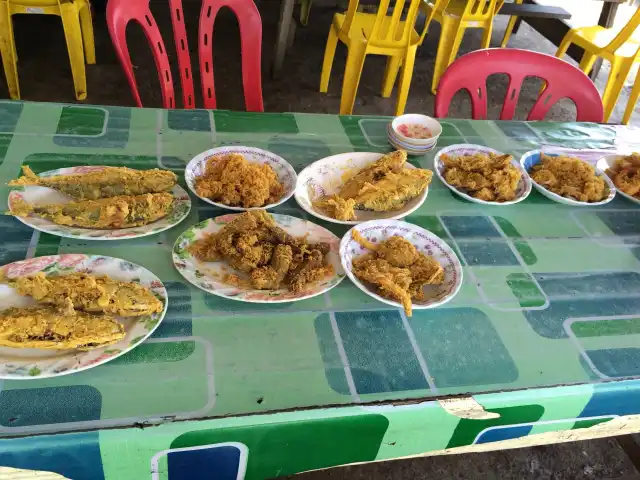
{"x":59,"y":328}
{"x":89,"y":293}
{"x":104,"y":183}
{"x":108,"y":213}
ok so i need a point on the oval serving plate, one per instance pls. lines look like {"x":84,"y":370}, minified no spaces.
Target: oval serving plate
{"x":524,"y":186}
{"x":284,"y":170}
{"x":607,"y":162}
{"x":326,"y":176}
{"x":209,"y":275}
{"x":532,"y":157}
{"x":30,"y":363}
{"x":43,"y":195}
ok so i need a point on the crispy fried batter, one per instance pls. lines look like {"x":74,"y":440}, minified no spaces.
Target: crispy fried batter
{"x":625,"y":174}
{"x":489,"y":177}
{"x":107,"y":213}
{"x":570,"y":177}
{"x":59,"y":328}
{"x":398,"y":270}
{"x":232,"y":180}
{"x":337,"y":207}
{"x":253,"y":244}
{"x":103,"y":183}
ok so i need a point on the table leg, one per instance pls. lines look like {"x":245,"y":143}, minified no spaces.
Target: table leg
{"x":607,"y":17}
{"x":286,"y":17}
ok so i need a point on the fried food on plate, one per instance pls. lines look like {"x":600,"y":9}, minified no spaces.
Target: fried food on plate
{"x":383,"y":186}
{"x":232,"y":180}
{"x":489,"y":177}
{"x":106,"y":213}
{"x":59,"y":328}
{"x":570,"y":177}
{"x":268,"y":256}
{"x":625,"y":174}
{"x":103,"y":183}
{"x":89,"y":293}
{"x":397,"y":269}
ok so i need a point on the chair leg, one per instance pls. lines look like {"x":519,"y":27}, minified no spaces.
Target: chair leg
{"x":486,"y":35}
{"x":449,"y":29}
{"x":73,"y":36}
{"x":455,"y":46}
{"x":305,"y":11}
{"x":86,"y":26}
{"x":405,"y":81}
{"x":7,"y":52}
{"x":615,"y":83}
{"x":351,"y":79}
{"x":587,"y":61}
{"x":390,"y":74}
{"x":508,"y":31}
{"x":633,"y":99}
{"x":327,"y":63}
{"x":564,"y":45}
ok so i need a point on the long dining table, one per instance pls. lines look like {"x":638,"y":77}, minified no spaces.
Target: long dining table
{"x":541,"y":344}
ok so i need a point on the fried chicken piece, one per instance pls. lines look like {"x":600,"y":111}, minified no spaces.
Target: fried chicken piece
{"x":104,"y":183}
{"x":59,"y":328}
{"x":311,"y":270}
{"x":393,"y":282}
{"x":232,"y":180}
{"x":270,"y":277}
{"x":569,"y":177}
{"x":425,"y":270}
{"x":391,"y":162}
{"x":625,"y":174}
{"x":337,"y":207}
{"x":398,"y":251}
{"x":393,"y":190}
{"x":89,"y":293}
{"x":485,"y":194}
{"x":105,"y":213}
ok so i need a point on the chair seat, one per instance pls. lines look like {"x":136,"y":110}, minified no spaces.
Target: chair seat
{"x":600,"y":37}
{"x":455,"y":9}
{"x":363,"y":25}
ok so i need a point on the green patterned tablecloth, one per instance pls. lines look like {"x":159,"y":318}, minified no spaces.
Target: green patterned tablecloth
{"x":550,"y":295}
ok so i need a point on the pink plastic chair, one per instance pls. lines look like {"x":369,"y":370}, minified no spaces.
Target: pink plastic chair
{"x":121,"y":12}
{"x":562,"y":80}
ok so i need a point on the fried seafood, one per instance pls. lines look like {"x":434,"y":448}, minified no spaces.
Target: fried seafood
{"x":57,"y":327}
{"x":89,"y":293}
{"x":489,"y":177}
{"x":383,"y":186}
{"x":625,"y":174}
{"x":271,"y":258}
{"x":397,"y":269}
{"x":104,"y":183}
{"x":570,"y":177}
{"x":232,"y":180}
{"x":107,"y":213}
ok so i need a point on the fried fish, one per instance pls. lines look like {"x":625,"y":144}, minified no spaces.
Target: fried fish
{"x":58,"y":328}
{"x":89,"y":293}
{"x":108,"y":213}
{"x":105,"y":183}
{"x":391,"y":162}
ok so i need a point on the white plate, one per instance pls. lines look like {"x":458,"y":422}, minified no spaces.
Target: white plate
{"x":43,"y":195}
{"x":425,"y":242}
{"x":285,"y":172}
{"x":326,"y":177}
{"x":209,"y":275}
{"x":33,"y":363}
{"x":607,"y":162}
{"x":532,"y":157}
{"x":524,"y":186}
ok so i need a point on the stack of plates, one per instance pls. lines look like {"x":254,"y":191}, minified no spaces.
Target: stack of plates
{"x":414,"y":146}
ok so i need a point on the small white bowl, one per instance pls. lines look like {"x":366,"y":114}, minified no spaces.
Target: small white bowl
{"x":412,"y":118}
{"x":524,"y":186}
{"x":410,"y":149}
{"x":284,"y":170}
{"x":425,"y":242}
{"x":607,"y":162}
{"x":532,"y":157}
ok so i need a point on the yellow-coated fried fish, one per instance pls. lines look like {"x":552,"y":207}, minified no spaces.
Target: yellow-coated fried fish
{"x":89,"y":293}
{"x":391,"y":162}
{"x":108,"y":213}
{"x":58,"y":328}
{"x":105,"y":183}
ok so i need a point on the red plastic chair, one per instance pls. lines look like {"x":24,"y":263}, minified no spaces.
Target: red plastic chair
{"x":121,"y":12}
{"x":562,"y":80}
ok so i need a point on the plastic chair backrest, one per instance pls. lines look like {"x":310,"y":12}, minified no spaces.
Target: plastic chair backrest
{"x":479,"y":9}
{"x":388,"y":31}
{"x":121,"y":12}
{"x":625,"y":33}
{"x":563,"y":80}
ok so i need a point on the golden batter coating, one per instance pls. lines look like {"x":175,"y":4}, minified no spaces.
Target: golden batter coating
{"x":625,"y":174}
{"x":570,"y":177}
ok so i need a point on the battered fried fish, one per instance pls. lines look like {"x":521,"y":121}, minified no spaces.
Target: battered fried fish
{"x":105,"y":183}
{"x":391,"y":162}
{"x":107,"y":213}
{"x":89,"y":293}
{"x":59,"y":328}
{"x":570,"y":177}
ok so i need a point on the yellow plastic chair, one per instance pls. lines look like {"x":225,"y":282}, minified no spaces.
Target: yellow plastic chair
{"x":511,"y":24}
{"x":375,"y":34}
{"x":78,"y":32}
{"x":455,"y":16}
{"x":618,"y":48}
